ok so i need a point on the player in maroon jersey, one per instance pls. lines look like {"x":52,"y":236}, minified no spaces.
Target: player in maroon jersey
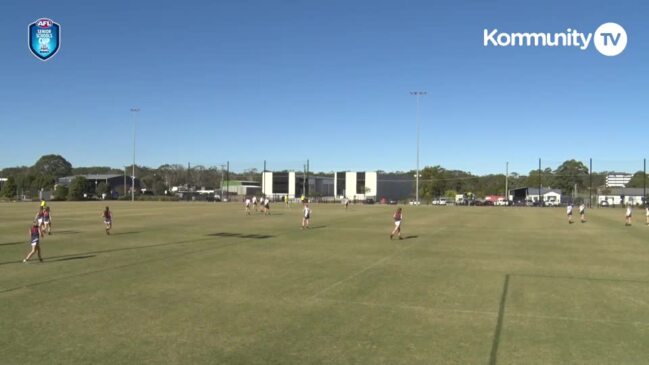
{"x":35,"y":241}
{"x":108,"y":219}
{"x":397,"y":216}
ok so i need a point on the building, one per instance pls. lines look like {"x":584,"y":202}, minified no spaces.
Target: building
{"x":240,"y":187}
{"x":344,"y":184}
{"x":618,"y":180}
{"x":356,"y":185}
{"x":119,"y":184}
{"x":550,"y":196}
{"x":294,"y":185}
{"x":617,"y":196}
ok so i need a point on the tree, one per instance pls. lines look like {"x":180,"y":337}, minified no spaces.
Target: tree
{"x":43,"y":182}
{"x":568,"y":174}
{"x":78,"y":187}
{"x":60,"y":192}
{"x":159,"y":188}
{"x":9,"y":188}
{"x":54,"y":165}
{"x":103,"y":188}
{"x":637,"y":180}
{"x":546,"y":178}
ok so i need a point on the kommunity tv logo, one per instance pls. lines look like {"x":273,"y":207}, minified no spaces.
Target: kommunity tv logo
{"x":610,"y":39}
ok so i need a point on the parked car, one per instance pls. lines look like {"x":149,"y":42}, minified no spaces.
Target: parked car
{"x":369,"y":201}
{"x":552,"y":203}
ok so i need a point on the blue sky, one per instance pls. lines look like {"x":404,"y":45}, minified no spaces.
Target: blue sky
{"x":284,"y":81}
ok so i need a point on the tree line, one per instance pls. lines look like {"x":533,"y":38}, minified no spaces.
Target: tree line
{"x":571,"y":176}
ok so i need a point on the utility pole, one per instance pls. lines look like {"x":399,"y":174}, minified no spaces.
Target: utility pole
{"x":590,"y":184}
{"x":540,"y":186}
{"x":644,"y":183}
{"x":417,"y":94}
{"x":507,"y":182}
{"x":133,"y":111}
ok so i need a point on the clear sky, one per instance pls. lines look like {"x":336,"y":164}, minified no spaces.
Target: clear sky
{"x":287,"y":80}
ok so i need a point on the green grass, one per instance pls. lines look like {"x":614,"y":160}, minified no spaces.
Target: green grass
{"x":183,"y":283}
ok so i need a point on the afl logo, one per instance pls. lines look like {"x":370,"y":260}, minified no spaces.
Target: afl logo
{"x":44,"y":38}
{"x":44,"y":23}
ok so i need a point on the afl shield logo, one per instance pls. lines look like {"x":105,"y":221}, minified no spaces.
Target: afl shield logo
{"x":44,"y":38}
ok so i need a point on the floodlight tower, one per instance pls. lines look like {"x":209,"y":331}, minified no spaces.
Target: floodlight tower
{"x":133,"y":111}
{"x":417,"y":94}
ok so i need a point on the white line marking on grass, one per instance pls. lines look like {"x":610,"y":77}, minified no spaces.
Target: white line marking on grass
{"x":576,"y":319}
{"x":410,"y":307}
{"x":386,"y":258}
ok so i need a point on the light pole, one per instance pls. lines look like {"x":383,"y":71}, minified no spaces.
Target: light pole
{"x":133,"y":111}
{"x":417,"y":94}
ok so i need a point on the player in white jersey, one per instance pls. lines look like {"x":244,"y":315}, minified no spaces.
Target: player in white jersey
{"x":647,"y":214}
{"x":254,"y":201}
{"x":306,"y":217}
{"x":248,"y":206}
{"x":628,"y":215}
{"x":582,"y":212}
{"x":266,"y":206}
{"x":569,"y":213}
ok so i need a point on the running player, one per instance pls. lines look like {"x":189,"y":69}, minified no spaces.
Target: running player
{"x":254,"y":201}
{"x":35,"y":241}
{"x":266,"y":206}
{"x":629,"y":214}
{"x":108,"y":219}
{"x":582,"y":212}
{"x":647,"y":214}
{"x":569,"y":213}
{"x":397,"y":216}
{"x":247,"y":205}
{"x":346,"y":203}
{"x":47,"y":221}
{"x":39,"y":219}
{"x":307,"y":216}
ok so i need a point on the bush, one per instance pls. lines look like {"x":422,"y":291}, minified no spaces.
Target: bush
{"x":9,"y":188}
{"x":61,"y":192}
{"x":78,"y":187}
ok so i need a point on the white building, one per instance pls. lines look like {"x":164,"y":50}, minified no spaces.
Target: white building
{"x":356,"y":185}
{"x":294,"y":185}
{"x":550,"y":196}
{"x":617,"y":196}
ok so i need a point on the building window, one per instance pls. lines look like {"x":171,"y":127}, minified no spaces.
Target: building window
{"x":280,"y":183}
{"x":340,"y":183}
{"x":360,"y":183}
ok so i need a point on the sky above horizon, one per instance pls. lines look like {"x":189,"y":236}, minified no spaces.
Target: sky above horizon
{"x":286,"y":81}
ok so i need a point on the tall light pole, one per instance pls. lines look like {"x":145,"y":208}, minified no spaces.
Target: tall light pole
{"x":417,"y":94}
{"x":507,"y":182}
{"x":133,"y":111}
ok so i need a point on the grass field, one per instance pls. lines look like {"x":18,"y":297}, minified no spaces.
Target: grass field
{"x":183,"y":283}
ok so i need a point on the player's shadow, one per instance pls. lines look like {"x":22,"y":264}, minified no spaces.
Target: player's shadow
{"x":123,"y":233}
{"x":241,"y":235}
{"x":71,"y":257}
{"x":317,"y":227}
{"x":411,"y":237}
{"x":12,"y":243}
